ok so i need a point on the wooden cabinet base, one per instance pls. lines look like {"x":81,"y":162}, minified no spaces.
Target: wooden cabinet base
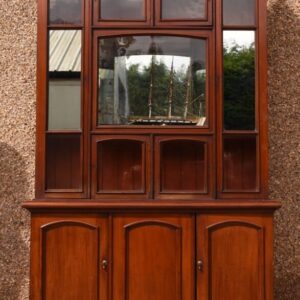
{"x":204,"y":253}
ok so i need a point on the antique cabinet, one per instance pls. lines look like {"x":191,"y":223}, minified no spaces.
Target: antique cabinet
{"x":152,"y":152}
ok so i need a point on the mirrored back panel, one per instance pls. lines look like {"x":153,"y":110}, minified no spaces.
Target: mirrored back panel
{"x":239,"y":79}
{"x":152,"y":80}
{"x":64,"y":80}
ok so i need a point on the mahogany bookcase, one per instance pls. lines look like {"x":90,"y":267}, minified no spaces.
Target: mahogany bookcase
{"x":152,"y":151}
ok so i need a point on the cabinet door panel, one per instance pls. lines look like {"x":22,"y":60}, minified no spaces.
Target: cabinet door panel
{"x":236,"y":257}
{"x":153,"y":257}
{"x":70,"y":249}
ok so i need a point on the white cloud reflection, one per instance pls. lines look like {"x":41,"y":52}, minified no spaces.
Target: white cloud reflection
{"x":242,"y":38}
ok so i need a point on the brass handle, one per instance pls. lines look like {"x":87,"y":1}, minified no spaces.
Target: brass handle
{"x":200,"y":265}
{"x":104,"y":264}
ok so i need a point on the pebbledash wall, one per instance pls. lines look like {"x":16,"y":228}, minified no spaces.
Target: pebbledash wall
{"x":18,"y":20}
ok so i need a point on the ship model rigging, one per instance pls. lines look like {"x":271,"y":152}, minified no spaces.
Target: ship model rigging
{"x":186,"y":117}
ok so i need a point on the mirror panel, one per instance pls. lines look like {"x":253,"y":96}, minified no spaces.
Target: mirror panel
{"x":239,"y":12}
{"x":239,"y":80}
{"x":122,"y":10}
{"x":65,"y":11}
{"x":152,"y":80}
{"x":64,"y":86}
{"x":188,"y":9}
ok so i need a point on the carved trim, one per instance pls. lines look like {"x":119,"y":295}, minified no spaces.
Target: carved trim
{"x":66,"y":222}
{"x":150,"y":222}
{"x":233,"y":223}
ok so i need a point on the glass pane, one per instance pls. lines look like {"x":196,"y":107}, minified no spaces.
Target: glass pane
{"x":63,"y":169}
{"x":183,"y":9}
{"x":239,"y":12}
{"x":239,"y":80}
{"x":120,"y":166}
{"x":152,"y":80}
{"x":240,"y":163}
{"x":122,"y":10}
{"x":64,"y":90}
{"x":183,"y":166}
{"x":65,"y":11}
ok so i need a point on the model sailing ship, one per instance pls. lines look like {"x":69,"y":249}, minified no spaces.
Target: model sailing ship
{"x":170,"y":119}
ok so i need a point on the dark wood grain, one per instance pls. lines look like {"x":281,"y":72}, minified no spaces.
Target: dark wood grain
{"x":66,"y":255}
{"x":240,"y":164}
{"x":153,"y":257}
{"x":63,"y":166}
{"x":121,"y":167}
{"x":236,"y":254}
{"x":183,"y":166}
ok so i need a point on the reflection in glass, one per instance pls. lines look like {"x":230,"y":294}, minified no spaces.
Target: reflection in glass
{"x":64,"y":87}
{"x":65,"y":11}
{"x":188,"y":9}
{"x":122,"y":10}
{"x":152,"y":80}
{"x":240,"y":163}
{"x":239,"y":12}
{"x":239,"y":80}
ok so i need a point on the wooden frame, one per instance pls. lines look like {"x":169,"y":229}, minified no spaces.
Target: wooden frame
{"x":151,"y":19}
{"x":109,"y":23}
{"x":96,"y":223}
{"x":208,"y":179}
{"x":205,"y":34}
{"x":144,"y":192}
{"x":214,"y":131}
{"x":261,"y":104}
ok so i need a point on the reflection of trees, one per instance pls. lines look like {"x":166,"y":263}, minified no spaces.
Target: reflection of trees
{"x":239,"y":87}
{"x":139,"y":86}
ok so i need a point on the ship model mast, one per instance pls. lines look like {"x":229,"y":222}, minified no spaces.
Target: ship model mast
{"x":150,"y":97}
{"x":188,"y":94}
{"x":171,"y":90}
{"x":188,"y":101}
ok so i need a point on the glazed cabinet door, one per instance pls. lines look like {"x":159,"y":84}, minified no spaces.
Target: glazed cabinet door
{"x":69,"y":257}
{"x":234,"y":257}
{"x":153,"y":257}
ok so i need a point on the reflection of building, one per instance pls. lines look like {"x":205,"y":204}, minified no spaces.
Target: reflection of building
{"x":113,"y":94}
{"x":64,"y":84}
{"x":121,"y":100}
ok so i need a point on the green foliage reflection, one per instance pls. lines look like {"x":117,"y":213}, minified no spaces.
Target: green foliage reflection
{"x":139,"y":88}
{"x":239,"y":88}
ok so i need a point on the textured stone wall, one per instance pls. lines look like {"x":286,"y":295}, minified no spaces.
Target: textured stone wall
{"x":284,"y":137}
{"x":17,"y":141}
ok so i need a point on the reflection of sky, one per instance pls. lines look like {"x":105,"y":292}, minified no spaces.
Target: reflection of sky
{"x":241,"y":38}
{"x":180,"y":63}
